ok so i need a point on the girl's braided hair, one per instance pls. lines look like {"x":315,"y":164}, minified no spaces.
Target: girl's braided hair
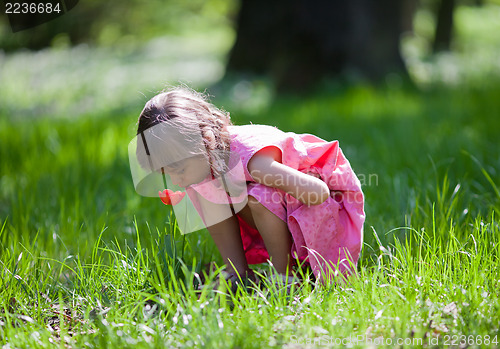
{"x":193,"y":113}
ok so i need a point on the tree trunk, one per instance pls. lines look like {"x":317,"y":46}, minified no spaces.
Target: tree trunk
{"x":300,"y":42}
{"x":444,"y":26}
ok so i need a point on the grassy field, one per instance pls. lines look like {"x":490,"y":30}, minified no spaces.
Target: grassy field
{"x":86,"y":262}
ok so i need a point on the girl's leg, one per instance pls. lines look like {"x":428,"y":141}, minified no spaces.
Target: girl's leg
{"x":273,"y":230}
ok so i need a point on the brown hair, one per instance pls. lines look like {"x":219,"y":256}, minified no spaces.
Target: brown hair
{"x":193,"y":114}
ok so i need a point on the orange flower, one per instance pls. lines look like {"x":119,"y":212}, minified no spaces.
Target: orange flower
{"x":169,"y":197}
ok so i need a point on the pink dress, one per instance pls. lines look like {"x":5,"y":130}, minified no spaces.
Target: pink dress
{"x":329,"y":234}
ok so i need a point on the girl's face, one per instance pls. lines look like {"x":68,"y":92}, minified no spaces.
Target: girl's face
{"x":189,"y":171}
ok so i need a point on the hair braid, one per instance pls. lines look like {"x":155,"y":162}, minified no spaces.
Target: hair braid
{"x":195,"y":114}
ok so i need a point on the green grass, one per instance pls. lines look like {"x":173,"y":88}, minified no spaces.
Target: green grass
{"x":87,"y":262}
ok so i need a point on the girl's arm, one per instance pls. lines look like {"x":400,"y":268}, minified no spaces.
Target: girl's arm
{"x":266,"y":168}
{"x":224,"y":229}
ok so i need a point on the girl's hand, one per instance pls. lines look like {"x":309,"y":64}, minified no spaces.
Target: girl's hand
{"x":266,"y":168}
{"x":170,"y":197}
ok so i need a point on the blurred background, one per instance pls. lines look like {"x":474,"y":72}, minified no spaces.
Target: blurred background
{"x":103,"y":56}
{"x":409,"y":87}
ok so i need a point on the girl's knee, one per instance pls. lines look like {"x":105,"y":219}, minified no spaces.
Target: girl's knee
{"x":253,"y":201}
{"x":255,"y":206}
{"x":259,"y":210}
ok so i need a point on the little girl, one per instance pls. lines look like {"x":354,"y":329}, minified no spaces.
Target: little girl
{"x":263,"y":194}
